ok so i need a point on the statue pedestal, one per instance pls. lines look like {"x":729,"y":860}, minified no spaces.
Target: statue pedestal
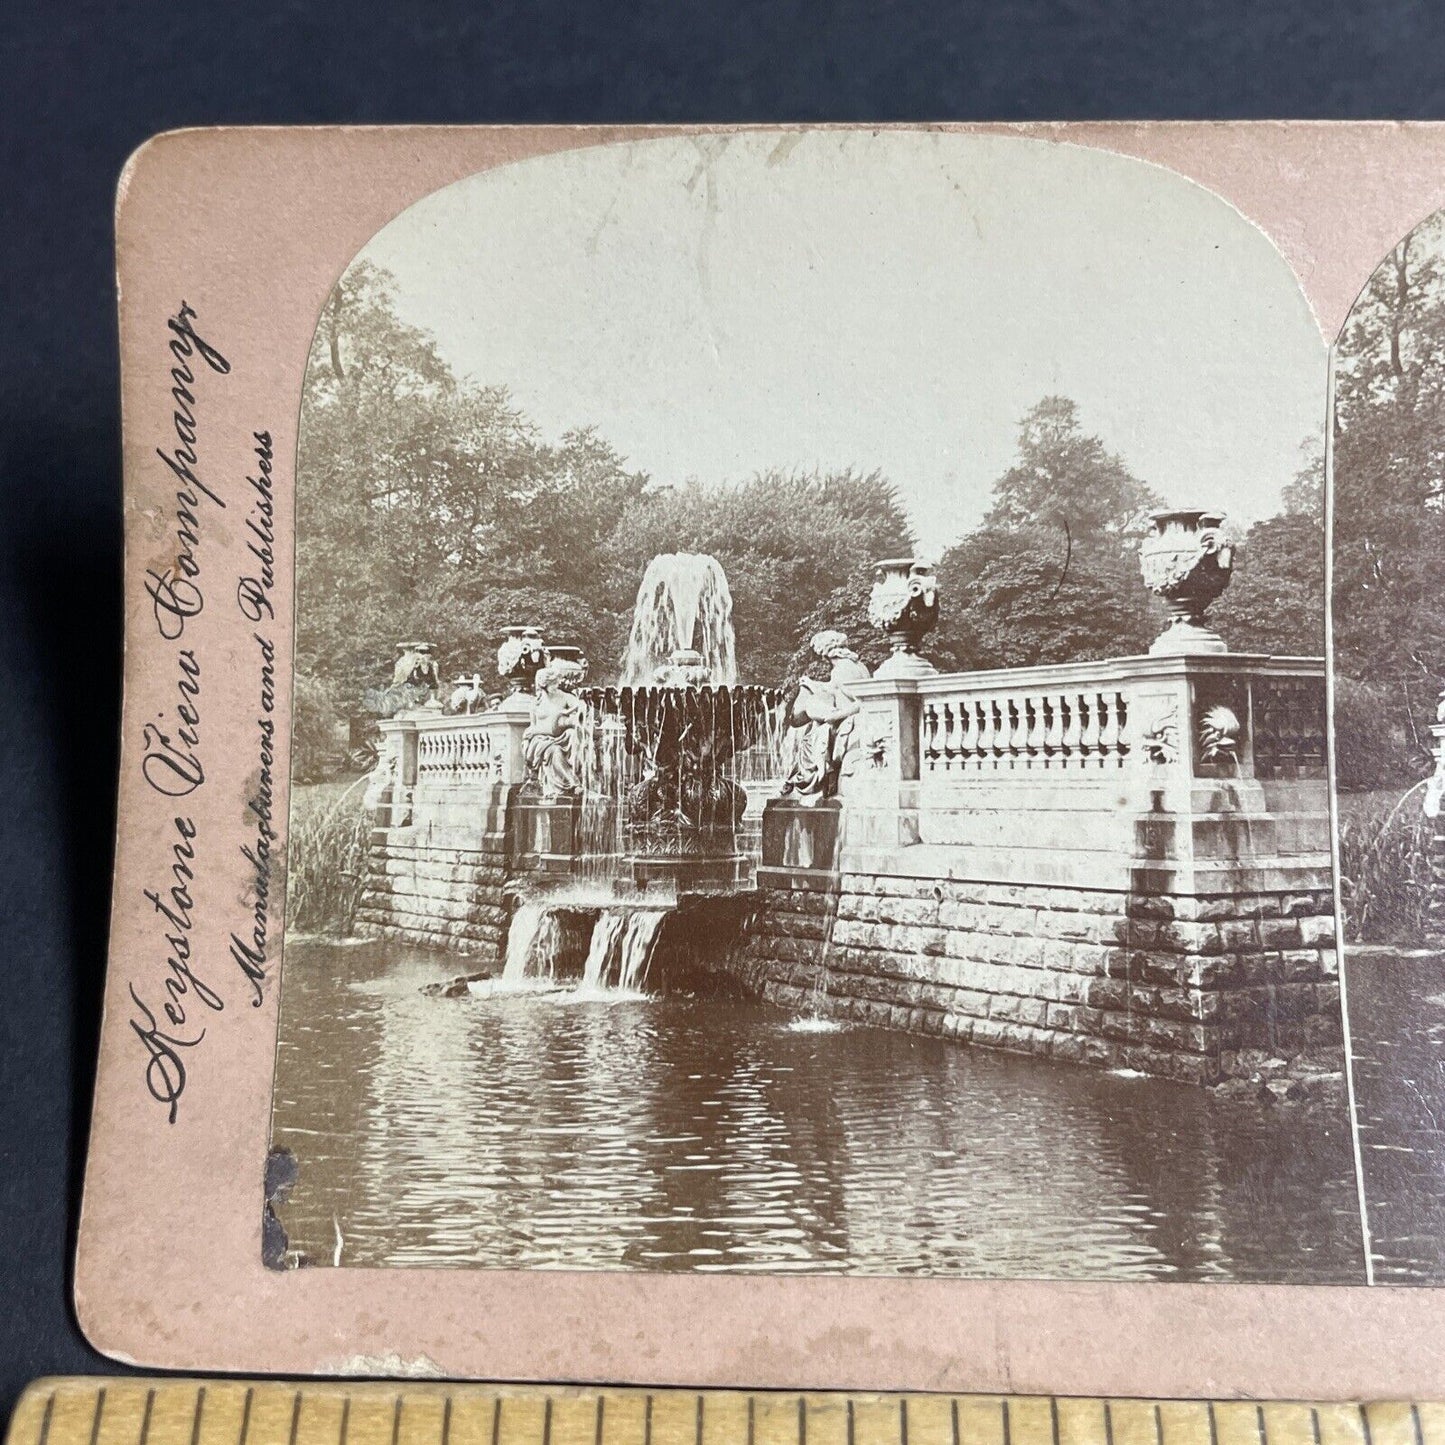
{"x":549,"y":832}
{"x":1183,"y":638}
{"x":800,"y":844}
{"x":905,"y":664}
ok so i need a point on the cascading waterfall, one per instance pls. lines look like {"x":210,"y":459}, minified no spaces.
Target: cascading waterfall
{"x":604,"y":774}
{"x":635,"y":953}
{"x":619,"y":950}
{"x":816,"y":1020}
{"x":683,"y":602}
{"x":602,"y":948}
{"x":532,"y":944}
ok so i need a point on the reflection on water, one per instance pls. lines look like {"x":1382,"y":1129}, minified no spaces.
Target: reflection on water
{"x":1397,"y":1032}
{"x":544,"y":1129}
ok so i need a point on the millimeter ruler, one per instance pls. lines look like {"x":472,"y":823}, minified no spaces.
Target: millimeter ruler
{"x":81,"y":1411}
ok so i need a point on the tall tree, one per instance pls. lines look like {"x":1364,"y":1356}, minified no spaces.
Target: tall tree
{"x":1389,"y":527}
{"x":1064,"y":476}
{"x":1276,"y":600}
{"x":1052,"y":574}
{"x":431,"y":507}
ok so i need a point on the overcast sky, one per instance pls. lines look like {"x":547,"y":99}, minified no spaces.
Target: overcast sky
{"x":717,"y":306}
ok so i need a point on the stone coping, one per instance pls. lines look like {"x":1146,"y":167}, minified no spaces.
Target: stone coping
{"x":1106,"y":670}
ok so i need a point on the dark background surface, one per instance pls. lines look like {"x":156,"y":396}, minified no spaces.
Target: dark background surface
{"x":81,"y":85}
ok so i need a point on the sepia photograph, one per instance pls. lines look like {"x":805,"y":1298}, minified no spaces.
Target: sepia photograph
{"x":809,"y":738}
{"x":1388,"y":628}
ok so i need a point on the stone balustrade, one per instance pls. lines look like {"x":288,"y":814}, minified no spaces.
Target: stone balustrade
{"x":1123,"y":863}
{"x":1092,"y":770}
{"x":458,"y":754}
{"x":434,"y":768}
{"x":1090,"y":718}
{"x":984,"y":729}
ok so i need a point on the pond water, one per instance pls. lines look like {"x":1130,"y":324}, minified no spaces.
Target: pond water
{"x":674,"y":1132}
{"x":1397,"y":1029}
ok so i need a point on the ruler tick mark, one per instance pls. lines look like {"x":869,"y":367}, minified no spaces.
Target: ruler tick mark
{"x":903,"y":1421}
{"x":1054,"y":1418}
{"x":597,"y":1432}
{"x":145,"y":1419}
{"x":953,"y":1415}
{"x":1158,"y":1427}
{"x":395,"y":1422}
{"x":295,"y":1418}
{"x":699,"y":1420}
{"x":1259,"y":1424}
{"x":198,"y":1416}
{"x":246,"y":1416}
{"x":850,"y":1421}
{"x":1315,"y":1424}
{"x":546,"y":1422}
{"x":45,"y":1419}
{"x":1008,"y":1426}
{"x":1365,"y":1421}
{"x":1415,"y":1421}
{"x":752,"y":1418}
{"x":1108,"y":1424}
{"x":646,"y":1423}
{"x":1213,"y":1426}
{"x":447,"y":1420}
{"x":497,"y":1420}
{"x":803,"y":1422}
{"x":95,"y":1422}
{"x":345,"y":1418}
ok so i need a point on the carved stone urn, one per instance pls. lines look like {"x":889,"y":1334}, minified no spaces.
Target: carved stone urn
{"x":904,"y":606}
{"x":1187,"y":562}
{"x":416,"y":678}
{"x":520,"y":657}
{"x":570,"y":654}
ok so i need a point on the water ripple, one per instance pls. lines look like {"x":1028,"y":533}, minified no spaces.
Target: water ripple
{"x":667,"y":1132}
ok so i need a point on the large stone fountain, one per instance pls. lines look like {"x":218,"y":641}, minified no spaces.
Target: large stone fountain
{"x":635,"y":782}
{"x":1122,"y":862}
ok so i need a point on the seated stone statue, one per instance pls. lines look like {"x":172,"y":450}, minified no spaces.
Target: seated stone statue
{"x":822,"y":724}
{"x":551,"y":746}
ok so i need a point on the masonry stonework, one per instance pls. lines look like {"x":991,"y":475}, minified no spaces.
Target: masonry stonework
{"x":438,"y":897}
{"x":1123,"y":865}
{"x":1196,"y":989}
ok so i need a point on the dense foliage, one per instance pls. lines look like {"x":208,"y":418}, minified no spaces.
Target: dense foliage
{"x":1389,"y":526}
{"x":429,"y":506}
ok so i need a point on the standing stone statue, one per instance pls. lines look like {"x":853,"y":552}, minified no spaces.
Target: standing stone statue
{"x":551,"y":746}
{"x":822,"y":723}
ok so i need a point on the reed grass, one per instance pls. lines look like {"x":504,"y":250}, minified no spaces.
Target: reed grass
{"x":326,"y":858}
{"x":1384,"y":867}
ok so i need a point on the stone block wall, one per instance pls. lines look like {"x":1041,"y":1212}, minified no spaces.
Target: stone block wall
{"x":1196,"y":989}
{"x":436,"y":890}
